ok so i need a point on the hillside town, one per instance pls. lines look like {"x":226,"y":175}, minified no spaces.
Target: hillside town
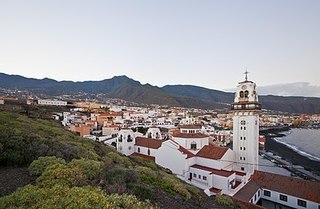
{"x":216,"y":151}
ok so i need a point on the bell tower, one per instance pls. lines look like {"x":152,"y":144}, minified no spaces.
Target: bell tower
{"x":246,"y":110}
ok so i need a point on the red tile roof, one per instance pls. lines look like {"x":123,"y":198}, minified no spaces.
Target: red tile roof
{"x":185,"y":151}
{"x":309,"y":190}
{"x":248,"y":191}
{"x":143,"y":156}
{"x":186,"y":135}
{"x":212,"y":152}
{"x":148,"y":142}
{"x":213,"y":171}
{"x":238,"y":173}
{"x":190,"y":126}
{"x":215,"y":190}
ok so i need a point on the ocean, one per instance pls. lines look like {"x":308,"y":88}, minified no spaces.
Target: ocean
{"x":306,"y":142}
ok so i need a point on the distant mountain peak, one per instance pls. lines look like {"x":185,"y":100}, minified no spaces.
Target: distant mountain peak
{"x":123,"y":87}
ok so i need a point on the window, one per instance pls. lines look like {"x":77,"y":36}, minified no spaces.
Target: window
{"x":244,"y":138}
{"x":255,"y":197}
{"x":240,"y":148}
{"x":244,"y":158}
{"x":244,"y":148}
{"x":148,"y":151}
{"x":267,"y":193}
{"x":244,"y":128}
{"x":302,"y":203}
{"x":129,"y":148}
{"x":259,"y":193}
{"x":120,"y":138}
{"x":240,"y":137}
{"x":240,"y":127}
{"x":241,"y":94}
{"x":199,"y":176}
{"x":204,"y":178}
{"x":242,"y":168}
{"x":243,"y":122}
{"x":283,"y":197}
{"x":129,"y":139}
{"x":193,"y":145}
{"x":138,"y":149}
{"x":194,"y":175}
{"x":240,"y":158}
{"x":246,"y":94}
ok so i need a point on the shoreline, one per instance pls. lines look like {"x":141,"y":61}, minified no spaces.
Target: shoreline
{"x":289,"y":154}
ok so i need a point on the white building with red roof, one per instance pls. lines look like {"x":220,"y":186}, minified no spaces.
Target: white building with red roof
{"x":190,"y":156}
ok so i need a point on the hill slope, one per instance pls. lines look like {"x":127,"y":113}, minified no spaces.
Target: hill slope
{"x":81,"y":173}
{"x":125,"y":88}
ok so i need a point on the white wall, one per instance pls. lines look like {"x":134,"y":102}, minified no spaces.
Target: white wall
{"x":144,"y":150}
{"x":199,"y":182}
{"x":186,"y":142}
{"x":250,"y":141}
{"x":221,"y":182}
{"x":291,"y":200}
{"x":168,"y":156}
{"x":208,"y":163}
{"x":52,"y":102}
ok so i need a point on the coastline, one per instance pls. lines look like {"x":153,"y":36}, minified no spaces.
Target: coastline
{"x":289,"y":154}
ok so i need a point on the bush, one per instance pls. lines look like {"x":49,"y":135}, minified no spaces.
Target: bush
{"x":223,"y":200}
{"x":61,"y":174}
{"x":90,"y":168}
{"x":37,"y":167}
{"x":60,"y":196}
{"x":118,"y":159}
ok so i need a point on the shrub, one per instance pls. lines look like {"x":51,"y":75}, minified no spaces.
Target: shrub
{"x":37,"y":167}
{"x":90,"y":168}
{"x":61,"y":174}
{"x":223,"y":200}
{"x":118,"y":159}
{"x":60,"y":196}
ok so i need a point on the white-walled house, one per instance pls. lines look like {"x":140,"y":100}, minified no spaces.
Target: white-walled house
{"x":277,"y":191}
{"x":154,"y":132}
{"x":110,"y":130}
{"x":52,"y":102}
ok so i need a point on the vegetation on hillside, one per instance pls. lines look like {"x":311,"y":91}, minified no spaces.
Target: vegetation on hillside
{"x":73,"y":172}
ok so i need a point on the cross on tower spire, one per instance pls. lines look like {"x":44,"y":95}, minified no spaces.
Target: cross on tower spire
{"x":246,"y":73}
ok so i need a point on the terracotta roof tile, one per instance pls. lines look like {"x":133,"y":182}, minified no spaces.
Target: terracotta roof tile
{"x":185,"y":151}
{"x":214,"y":171}
{"x":186,"y":135}
{"x":212,"y":152}
{"x":148,"y":142}
{"x":248,"y":191}
{"x":309,"y":190}
{"x":143,"y":156}
{"x":190,"y":126}
{"x":215,"y":190}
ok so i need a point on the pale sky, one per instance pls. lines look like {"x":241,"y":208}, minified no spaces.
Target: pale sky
{"x":199,"y":42}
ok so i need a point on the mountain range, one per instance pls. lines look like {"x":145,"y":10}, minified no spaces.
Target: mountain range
{"x":128,"y":89}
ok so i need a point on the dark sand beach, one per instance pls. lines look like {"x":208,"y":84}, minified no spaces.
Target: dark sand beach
{"x":291,"y":156}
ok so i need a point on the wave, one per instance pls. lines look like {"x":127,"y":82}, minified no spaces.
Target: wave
{"x":296,"y":149}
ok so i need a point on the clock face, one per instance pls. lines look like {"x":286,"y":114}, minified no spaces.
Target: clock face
{"x":244,"y":87}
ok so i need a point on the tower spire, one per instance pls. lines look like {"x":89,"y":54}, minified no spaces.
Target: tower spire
{"x":246,"y":74}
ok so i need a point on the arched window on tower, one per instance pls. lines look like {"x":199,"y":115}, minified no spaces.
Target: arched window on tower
{"x":246,"y":94}
{"x":241,"y":94}
{"x":120,"y":138}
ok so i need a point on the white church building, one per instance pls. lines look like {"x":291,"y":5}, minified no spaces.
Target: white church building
{"x":190,"y":156}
